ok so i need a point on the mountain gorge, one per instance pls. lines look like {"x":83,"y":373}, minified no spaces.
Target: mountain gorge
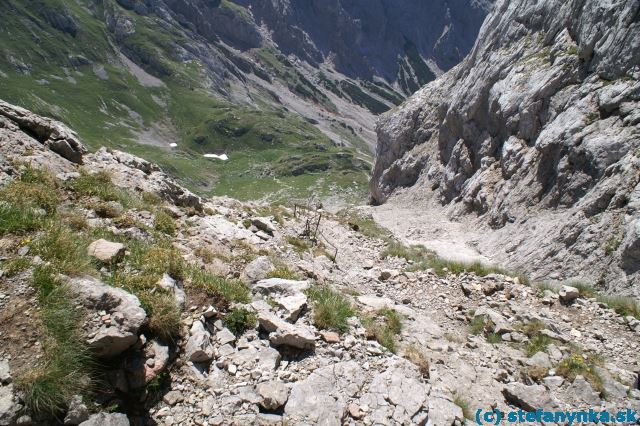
{"x":288,"y":90}
{"x":532,"y":139}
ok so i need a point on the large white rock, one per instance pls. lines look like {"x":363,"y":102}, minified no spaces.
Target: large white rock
{"x":126,"y":316}
{"x":106,"y":251}
{"x":199,"y":348}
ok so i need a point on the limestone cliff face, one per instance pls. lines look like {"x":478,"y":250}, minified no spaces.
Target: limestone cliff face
{"x":536,"y":133}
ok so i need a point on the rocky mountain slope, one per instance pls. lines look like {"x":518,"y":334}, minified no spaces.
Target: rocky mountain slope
{"x":293,"y":111}
{"x":533,"y":139}
{"x":126,"y":299}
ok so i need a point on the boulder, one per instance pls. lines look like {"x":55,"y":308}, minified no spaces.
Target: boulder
{"x":283,"y":333}
{"x":107,"y":419}
{"x":257,"y":269}
{"x":568,"y":294}
{"x":106,"y":251}
{"x":126,"y":314}
{"x":273,"y":394}
{"x":529,"y":398}
{"x":199,"y":348}
{"x":321,"y":397}
{"x":581,"y":391}
{"x":9,"y":406}
{"x":264,"y":224}
{"x":292,"y":305}
{"x":541,"y":360}
{"x":274,"y":286}
{"x":171,"y":285}
{"x":77,"y":412}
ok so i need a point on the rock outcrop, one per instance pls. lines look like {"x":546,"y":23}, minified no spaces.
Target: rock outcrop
{"x":536,"y":134}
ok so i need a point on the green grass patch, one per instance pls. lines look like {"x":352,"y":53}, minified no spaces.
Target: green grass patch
{"x":239,"y":320}
{"x":164,"y":314}
{"x":384,"y":326}
{"x":623,"y":305}
{"x":65,"y":248}
{"x":577,"y":365}
{"x":224,"y":289}
{"x":331,"y":310}
{"x":363,"y":224}
{"x":163,"y":222}
{"x":65,"y":370}
{"x":100,"y":185}
{"x":14,"y":266}
{"x":464,"y":406}
{"x":283,"y":272}
{"x":421,"y":258}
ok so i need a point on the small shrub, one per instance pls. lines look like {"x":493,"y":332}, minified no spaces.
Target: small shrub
{"x":418,"y":358}
{"x":299,"y":245}
{"x":612,"y":244}
{"x":493,"y":338}
{"x":239,"y":320}
{"x":538,"y":343}
{"x":477,"y":324}
{"x":207,"y":255}
{"x":331,"y":310}
{"x":151,"y":198}
{"x":163,"y":222}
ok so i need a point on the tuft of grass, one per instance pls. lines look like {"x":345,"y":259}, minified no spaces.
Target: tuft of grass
{"x":219,"y":287}
{"x":283,"y":272}
{"x":239,"y":320}
{"x":164,"y":314}
{"x":545,"y":286}
{"x":577,"y":365}
{"x":364,"y":225}
{"x":330,"y":309}
{"x":384,"y":327}
{"x":66,"y":249}
{"x":163,"y":222}
{"x":15,"y":220}
{"x":14,"y":266}
{"x":585,"y":289}
{"x":493,"y":338}
{"x":538,"y":343}
{"x":477,"y":324}
{"x":65,"y":369}
{"x":100,"y":185}
{"x":623,"y":305}
{"x":421,"y":259}
{"x":418,"y":358}
{"x":464,"y":406}
{"x":299,"y":245}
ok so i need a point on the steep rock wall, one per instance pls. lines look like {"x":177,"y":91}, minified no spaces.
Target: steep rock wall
{"x":536,"y":134}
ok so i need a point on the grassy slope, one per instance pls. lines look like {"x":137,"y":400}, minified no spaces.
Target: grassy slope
{"x":264,"y":146}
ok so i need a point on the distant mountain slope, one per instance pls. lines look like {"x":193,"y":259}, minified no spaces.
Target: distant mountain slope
{"x":143,"y":74}
{"x":536,"y":133}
